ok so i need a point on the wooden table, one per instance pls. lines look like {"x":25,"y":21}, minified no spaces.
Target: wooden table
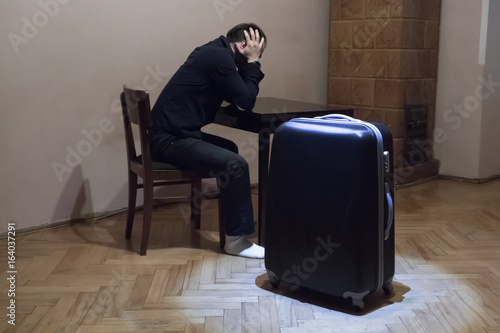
{"x":264,"y":119}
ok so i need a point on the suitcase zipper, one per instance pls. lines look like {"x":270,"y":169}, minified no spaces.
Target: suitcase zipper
{"x":381,"y":166}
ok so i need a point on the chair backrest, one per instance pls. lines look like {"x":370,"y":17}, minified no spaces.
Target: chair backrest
{"x":136,"y":109}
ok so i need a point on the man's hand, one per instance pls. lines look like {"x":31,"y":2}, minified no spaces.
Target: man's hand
{"x":253,"y":46}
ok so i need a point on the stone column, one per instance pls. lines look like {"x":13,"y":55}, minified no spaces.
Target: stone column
{"x":382,"y":60}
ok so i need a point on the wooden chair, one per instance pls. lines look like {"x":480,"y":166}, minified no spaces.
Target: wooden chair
{"x":136,"y":110}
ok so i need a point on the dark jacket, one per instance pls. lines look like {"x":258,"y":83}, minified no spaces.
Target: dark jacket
{"x":196,"y":91}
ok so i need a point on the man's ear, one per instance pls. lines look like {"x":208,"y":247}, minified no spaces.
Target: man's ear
{"x":241,"y":45}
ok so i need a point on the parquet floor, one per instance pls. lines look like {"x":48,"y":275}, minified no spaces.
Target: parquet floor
{"x":87,"y":278}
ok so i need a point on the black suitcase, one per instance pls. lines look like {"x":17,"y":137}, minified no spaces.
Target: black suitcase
{"x":330,"y":214}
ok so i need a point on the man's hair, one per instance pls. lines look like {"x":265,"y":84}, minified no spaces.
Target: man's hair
{"x":237,"y":34}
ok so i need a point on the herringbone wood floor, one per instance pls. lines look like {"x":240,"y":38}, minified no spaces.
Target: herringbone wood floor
{"x":87,"y":278}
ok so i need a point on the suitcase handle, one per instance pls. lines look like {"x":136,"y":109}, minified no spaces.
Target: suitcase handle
{"x":390,"y":212}
{"x":336,"y":116}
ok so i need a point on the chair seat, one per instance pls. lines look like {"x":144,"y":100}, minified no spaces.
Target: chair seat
{"x":167,"y":166}
{"x":159,"y":165}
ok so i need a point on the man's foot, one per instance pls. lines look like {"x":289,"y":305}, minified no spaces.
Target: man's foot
{"x":241,"y":246}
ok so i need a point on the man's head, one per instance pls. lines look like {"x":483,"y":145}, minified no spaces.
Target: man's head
{"x":236,"y":36}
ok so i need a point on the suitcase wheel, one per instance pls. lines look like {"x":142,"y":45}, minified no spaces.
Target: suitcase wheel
{"x":357,"y":299}
{"x":388,"y":288}
{"x":275,"y":282}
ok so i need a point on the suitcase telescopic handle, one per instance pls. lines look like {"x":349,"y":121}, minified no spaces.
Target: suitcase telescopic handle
{"x":390,"y":211}
{"x":337,"y":116}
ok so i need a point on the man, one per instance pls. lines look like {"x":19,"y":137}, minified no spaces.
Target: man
{"x":226,"y":68}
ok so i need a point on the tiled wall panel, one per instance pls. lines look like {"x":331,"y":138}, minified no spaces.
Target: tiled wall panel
{"x":383,"y":58}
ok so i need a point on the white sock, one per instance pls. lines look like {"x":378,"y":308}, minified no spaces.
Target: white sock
{"x":241,"y":246}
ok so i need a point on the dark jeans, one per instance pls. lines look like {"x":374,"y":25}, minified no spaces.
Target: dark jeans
{"x":216,"y":157}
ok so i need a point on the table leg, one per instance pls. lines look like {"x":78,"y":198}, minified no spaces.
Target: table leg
{"x":264,"y":149}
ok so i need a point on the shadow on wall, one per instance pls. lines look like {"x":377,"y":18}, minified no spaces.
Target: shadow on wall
{"x":75,"y":202}
{"x":120,"y":201}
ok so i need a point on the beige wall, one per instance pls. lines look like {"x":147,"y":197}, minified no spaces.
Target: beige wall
{"x":63,"y":63}
{"x":467,"y":110}
{"x":490,"y":124}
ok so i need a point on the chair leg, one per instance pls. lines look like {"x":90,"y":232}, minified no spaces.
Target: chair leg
{"x":196,"y":203}
{"x":147,"y":212}
{"x":222,"y":226}
{"x":132,"y":196}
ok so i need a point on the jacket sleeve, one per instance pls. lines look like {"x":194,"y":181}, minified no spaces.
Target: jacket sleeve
{"x":240,"y":88}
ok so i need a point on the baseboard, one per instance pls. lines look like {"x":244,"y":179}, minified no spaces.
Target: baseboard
{"x":457,"y":179}
{"x":416,"y":182}
{"x":98,"y":216}
{"x":54,"y":225}
{"x":158,"y":202}
{"x":470,"y":180}
{"x":89,"y":218}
